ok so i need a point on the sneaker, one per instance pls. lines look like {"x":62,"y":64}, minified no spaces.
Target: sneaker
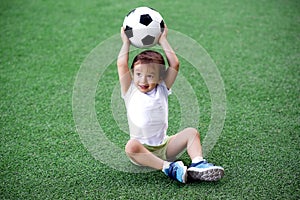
{"x":177,"y":171}
{"x":205,"y":171}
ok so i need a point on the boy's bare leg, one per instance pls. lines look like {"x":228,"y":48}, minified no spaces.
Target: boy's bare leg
{"x":199,"y":169}
{"x":139,"y":154}
{"x":189,"y":139}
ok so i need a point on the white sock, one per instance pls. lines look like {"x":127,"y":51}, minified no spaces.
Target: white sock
{"x":166,"y":165}
{"x":197,"y":159}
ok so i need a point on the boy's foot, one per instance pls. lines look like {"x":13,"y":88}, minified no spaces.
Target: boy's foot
{"x":205,"y":171}
{"x":177,"y":171}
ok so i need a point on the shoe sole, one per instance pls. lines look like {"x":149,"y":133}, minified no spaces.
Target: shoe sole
{"x":205,"y":174}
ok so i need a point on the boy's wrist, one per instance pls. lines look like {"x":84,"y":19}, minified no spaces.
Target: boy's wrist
{"x":163,"y":42}
{"x":126,"y":43}
{"x":126,"y":46}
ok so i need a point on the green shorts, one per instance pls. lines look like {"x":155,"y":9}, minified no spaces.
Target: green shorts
{"x":159,"y":151}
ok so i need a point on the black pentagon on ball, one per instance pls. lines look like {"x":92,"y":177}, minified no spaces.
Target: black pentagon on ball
{"x":128,"y":31}
{"x":148,"y":40}
{"x":145,"y":19}
{"x":162,"y":26}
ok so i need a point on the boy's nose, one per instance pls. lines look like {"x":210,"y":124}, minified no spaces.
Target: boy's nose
{"x":143,"y":79}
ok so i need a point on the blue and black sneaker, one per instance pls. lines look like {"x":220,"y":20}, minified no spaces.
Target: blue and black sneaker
{"x":204,"y":171}
{"x":177,"y":171}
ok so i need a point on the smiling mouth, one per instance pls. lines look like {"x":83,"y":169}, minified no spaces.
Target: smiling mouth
{"x":144,"y":87}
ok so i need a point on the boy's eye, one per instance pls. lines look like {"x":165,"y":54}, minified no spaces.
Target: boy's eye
{"x":150,"y":76}
{"x":138,"y":74}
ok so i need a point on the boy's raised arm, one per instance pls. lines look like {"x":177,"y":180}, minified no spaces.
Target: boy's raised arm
{"x":173,"y":61}
{"x":122,"y":63}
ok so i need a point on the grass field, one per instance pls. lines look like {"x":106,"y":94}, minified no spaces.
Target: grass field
{"x":255,"y":45}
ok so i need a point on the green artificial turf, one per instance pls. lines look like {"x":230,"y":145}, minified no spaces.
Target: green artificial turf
{"x":255,"y":45}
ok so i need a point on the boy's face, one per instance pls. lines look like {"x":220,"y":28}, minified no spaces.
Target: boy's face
{"x":146,"y":76}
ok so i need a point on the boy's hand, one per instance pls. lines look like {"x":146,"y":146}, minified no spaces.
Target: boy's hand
{"x":124,"y":37}
{"x":163,"y":36}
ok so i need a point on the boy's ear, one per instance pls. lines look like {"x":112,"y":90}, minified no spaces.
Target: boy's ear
{"x":162,"y":75}
{"x":160,"y":80}
{"x":162,"y":72}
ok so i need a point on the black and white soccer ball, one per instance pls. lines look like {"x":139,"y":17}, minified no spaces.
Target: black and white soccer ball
{"x":143,"y":27}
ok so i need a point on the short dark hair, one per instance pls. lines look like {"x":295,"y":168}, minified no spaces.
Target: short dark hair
{"x":148,"y":57}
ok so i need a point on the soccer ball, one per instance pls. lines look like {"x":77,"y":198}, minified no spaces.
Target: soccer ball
{"x":143,"y":27}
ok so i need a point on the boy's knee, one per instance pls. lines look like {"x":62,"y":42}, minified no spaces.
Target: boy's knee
{"x":193,"y":134}
{"x":193,"y":131}
{"x":132,"y":146}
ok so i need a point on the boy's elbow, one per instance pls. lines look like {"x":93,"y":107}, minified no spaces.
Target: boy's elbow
{"x":176,"y":65}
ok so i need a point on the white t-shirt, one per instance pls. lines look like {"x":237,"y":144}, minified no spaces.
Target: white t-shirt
{"x":147,"y":114}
